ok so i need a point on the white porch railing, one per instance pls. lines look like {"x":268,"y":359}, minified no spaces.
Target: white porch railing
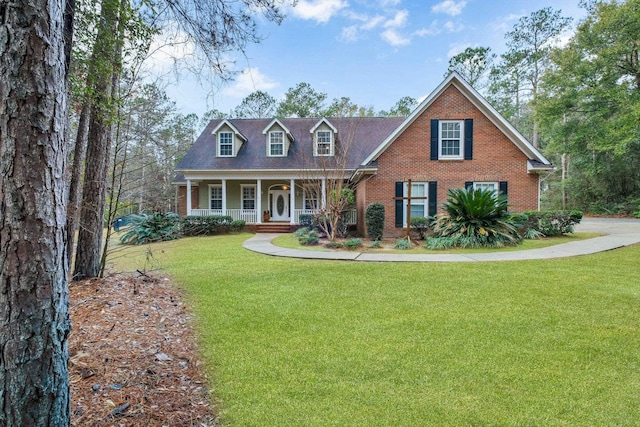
{"x":248,"y":215}
{"x":251,"y":216}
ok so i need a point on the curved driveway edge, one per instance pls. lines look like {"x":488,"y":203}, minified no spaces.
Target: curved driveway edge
{"x":619,"y":233}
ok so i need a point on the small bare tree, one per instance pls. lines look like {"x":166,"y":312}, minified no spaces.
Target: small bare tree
{"x":326,"y":185}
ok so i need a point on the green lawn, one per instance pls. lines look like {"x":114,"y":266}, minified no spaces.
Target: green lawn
{"x":293,"y":342}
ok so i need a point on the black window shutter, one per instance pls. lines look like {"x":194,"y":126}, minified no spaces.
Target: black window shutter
{"x":468,"y":139}
{"x":433,"y":198}
{"x":468,"y":185}
{"x":434,"y":139}
{"x":503,"y":188}
{"x":399,"y":204}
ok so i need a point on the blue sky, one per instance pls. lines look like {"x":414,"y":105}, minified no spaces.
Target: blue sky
{"x":374,"y":52}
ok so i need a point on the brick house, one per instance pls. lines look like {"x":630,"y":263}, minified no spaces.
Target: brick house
{"x":453,"y":139}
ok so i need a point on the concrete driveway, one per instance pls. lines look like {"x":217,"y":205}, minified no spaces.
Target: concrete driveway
{"x":619,"y":232}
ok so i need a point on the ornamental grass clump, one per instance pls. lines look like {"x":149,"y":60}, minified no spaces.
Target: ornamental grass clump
{"x":474,"y":219}
{"x":353,"y":244}
{"x":152,"y":228}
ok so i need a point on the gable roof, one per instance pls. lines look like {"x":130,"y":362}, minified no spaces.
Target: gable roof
{"x":534,"y":156}
{"x":325,"y":121}
{"x":283,"y":127}
{"x":233,"y":128}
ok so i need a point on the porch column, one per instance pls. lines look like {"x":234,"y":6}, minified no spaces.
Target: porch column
{"x":292,"y":201}
{"x":324,"y":193}
{"x":259,"y":201}
{"x":188,"y":197}
{"x":224,"y":197}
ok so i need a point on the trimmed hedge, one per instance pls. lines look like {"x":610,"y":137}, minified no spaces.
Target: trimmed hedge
{"x":205,"y":225}
{"x":553,"y":223}
{"x":374,"y":218}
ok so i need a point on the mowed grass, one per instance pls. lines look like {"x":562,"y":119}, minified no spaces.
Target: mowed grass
{"x":292,"y":342}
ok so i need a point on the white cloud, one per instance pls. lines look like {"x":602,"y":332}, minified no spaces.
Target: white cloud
{"x":392,"y":37}
{"x":250,"y":80}
{"x":320,"y":11}
{"x":434,"y":29}
{"x":457,"y":48}
{"x":167,"y":49}
{"x":372,"y":23}
{"x":505,"y":23}
{"x":453,"y":27}
{"x":386,"y":3}
{"x":449,"y":7}
{"x":399,"y":20}
{"x":349,"y":34}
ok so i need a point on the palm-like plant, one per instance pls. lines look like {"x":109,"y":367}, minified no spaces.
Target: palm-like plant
{"x":474,"y":218}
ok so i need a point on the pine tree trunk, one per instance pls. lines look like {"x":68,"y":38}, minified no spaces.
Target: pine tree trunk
{"x":77,"y":172}
{"x":102,"y":68}
{"x":34,"y":319}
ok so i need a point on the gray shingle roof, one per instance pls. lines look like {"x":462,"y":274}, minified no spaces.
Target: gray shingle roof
{"x":361,"y":134}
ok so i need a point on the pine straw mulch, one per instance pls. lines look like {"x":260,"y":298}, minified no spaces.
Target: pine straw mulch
{"x":133,"y":356}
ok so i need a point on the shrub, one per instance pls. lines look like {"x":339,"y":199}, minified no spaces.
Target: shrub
{"x":376,"y":244}
{"x":152,"y":228}
{"x":374,"y":218}
{"x":333,"y":245}
{"x":352,"y":244}
{"x":421,"y":225}
{"x":206,"y":225}
{"x":475,"y":218}
{"x":238,"y":225}
{"x":553,"y":223}
{"x":439,"y":243}
{"x":301,"y":231}
{"x":402,"y":244}
{"x":306,"y":220}
{"x":309,"y":239}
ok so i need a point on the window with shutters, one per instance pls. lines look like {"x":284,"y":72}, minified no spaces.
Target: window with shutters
{"x":491,"y":186}
{"x":450,"y":139}
{"x":419,"y":205}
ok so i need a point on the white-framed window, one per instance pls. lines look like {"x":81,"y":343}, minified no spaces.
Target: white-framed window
{"x":450,"y":139}
{"x":492,"y":186}
{"x":276,"y":143}
{"x":324,"y":143}
{"x":310,"y":195}
{"x":225,"y":144}
{"x":248,"y":197}
{"x":215,"y":197}
{"x":419,"y":205}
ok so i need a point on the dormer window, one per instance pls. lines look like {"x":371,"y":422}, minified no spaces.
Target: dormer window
{"x":324,"y":138}
{"x":225,"y":144}
{"x":276,"y":143}
{"x":324,"y":143}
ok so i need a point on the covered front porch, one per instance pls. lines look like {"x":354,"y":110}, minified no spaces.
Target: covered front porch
{"x":256,"y":201}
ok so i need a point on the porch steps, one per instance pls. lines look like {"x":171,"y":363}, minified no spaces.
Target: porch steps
{"x":273,"y":227}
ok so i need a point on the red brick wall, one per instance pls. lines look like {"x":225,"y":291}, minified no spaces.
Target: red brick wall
{"x":182,"y":199}
{"x":495,"y":158}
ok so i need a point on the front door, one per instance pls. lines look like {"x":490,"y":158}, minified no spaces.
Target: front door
{"x":280,"y":205}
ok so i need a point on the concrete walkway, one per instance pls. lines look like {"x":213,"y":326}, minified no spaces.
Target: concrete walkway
{"x":619,"y":233}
